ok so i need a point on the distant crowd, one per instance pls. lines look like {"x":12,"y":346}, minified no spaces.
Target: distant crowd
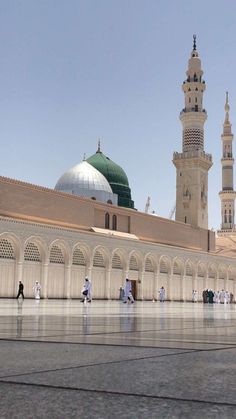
{"x":210,"y":296}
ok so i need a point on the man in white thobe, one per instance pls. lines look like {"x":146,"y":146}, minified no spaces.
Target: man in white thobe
{"x":227,"y":297}
{"x":162,"y":294}
{"x":86,"y":291}
{"x":37,"y":288}
{"x":217,"y":297}
{"x":222,"y":296}
{"x":128,"y":291}
{"x":194,"y":296}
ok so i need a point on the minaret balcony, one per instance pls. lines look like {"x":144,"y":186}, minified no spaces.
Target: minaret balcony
{"x":227,"y":160}
{"x":195,"y":109}
{"x":227,"y":194}
{"x":192,"y":154}
{"x":225,"y":231}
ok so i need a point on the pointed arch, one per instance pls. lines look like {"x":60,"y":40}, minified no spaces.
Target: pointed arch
{"x":178,"y":266}
{"x":222,"y":272}
{"x":189,"y":268}
{"x":231,"y":273}
{"x":11,"y":246}
{"x":100,"y":257}
{"x":135,"y":261}
{"x":35,"y":249}
{"x":7,"y":249}
{"x":201,"y":270}
{"x":164,"y":265}
{"x":119,"y":259}
{"x":212,"y":271}
{"x":150,"y":264}
{"x":59,"y":252}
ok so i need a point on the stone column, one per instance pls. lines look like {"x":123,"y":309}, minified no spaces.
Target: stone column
{"x":169,"y":291}
{"x":19,"y":274}
{"x":155,"y":286}
{"x":67,"y":281}
{"x":45,"y":268}
{"x":108,"y":284}
{"x":195,"y":287}
{"x":141,"y":279}
{"x":182,"y":287}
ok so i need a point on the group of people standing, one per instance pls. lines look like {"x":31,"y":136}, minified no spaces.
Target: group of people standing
{"x":218,"y":297}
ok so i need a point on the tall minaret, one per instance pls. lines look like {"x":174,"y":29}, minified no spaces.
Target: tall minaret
{"x":193,"y":163}
{"x":227,"y":195}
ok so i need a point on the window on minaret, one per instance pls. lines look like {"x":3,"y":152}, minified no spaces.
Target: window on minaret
{"x":189,"y":99}
{"x":225,"y":217}
{"x":230,"y":217}
{"x":114,"y":222}
{"x":107,"y":220}
{"x":196,"y":99}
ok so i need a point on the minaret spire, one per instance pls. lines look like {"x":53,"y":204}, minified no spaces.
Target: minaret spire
{"x":227,"y":194}
{"x":227,"y":108}
{"x":193,"y":163}
{"x":194,"y":42}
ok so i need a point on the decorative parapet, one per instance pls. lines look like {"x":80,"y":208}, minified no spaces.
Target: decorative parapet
{"x":192,"y":154}
{"x":227,"y":191}
{"x":195,"y":109}
{"x":226,"y":232}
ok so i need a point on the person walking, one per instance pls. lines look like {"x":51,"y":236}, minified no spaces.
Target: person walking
{"x":37,"y":289}
{"x":20,"y":290}
{"x":128,"y":296}
{"x":194,"y":296}
{"x":162,"y":293}
{"x":205,"y":296}
{"x":86,"y":291}
{"x":222,"y":297}
{"x":210,"y":296}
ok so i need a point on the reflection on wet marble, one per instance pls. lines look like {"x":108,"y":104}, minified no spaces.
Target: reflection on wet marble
{"x":166,"y":358}
{"x":183,"y":325}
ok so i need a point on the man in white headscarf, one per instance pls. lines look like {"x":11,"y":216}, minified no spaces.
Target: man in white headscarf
{"x":37,"y":288}
{"x":222,"y":296}
{"x":128,"y":296}
{"x":86,"y":291}
{"x":162,"y":294}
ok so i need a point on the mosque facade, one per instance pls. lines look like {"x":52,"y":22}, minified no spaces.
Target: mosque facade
{"x":87,"y":225}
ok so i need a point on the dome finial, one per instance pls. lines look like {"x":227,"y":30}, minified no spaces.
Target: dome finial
{"x":99,"y":146}
{"x":194,"y":42}
{"x":84,"y":158}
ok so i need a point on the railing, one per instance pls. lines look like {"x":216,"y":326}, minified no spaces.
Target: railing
{"x":184,"y":110}
{"x":193,"y":153}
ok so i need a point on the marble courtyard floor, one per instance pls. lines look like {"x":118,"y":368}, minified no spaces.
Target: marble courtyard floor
{"x":66,"y":359}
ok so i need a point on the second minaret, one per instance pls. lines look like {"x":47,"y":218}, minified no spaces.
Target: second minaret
{"x":193,"y":163}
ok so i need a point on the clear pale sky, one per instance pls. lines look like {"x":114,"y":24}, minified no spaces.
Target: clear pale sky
{"x":73,"y":71}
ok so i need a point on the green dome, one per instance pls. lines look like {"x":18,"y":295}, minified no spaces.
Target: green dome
{"x":115,"y":175}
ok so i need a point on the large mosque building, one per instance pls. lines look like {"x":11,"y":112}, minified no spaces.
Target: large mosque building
{"x":88,"y":225}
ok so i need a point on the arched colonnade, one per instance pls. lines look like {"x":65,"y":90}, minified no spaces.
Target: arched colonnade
{"x":61,"y":269}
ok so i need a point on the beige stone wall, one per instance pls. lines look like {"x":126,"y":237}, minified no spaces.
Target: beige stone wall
{"x":30,"y":202}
